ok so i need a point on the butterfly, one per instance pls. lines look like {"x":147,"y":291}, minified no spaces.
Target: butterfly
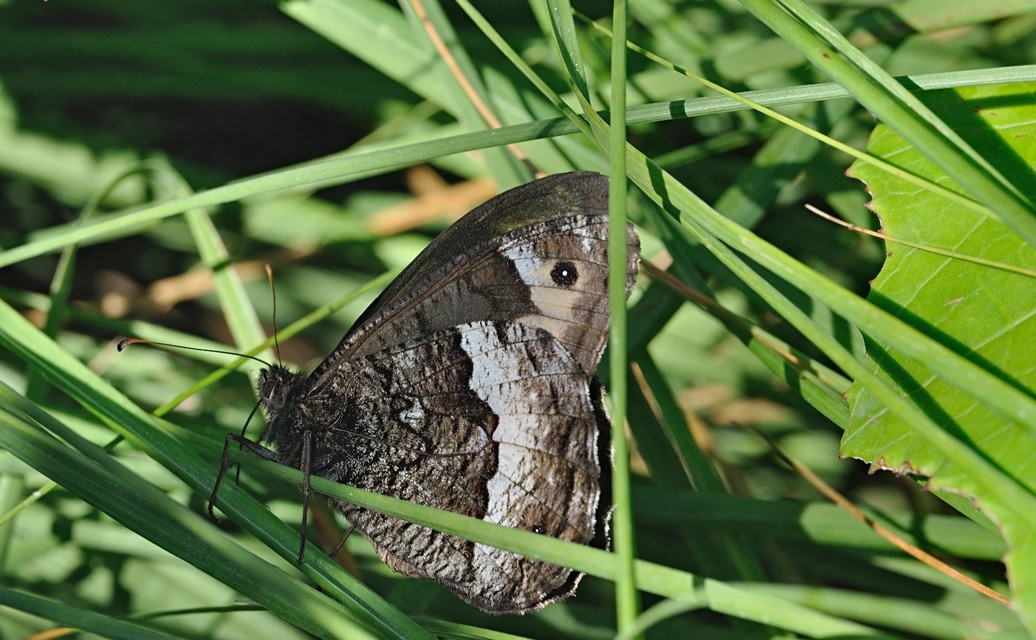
{"x":468,"y":385}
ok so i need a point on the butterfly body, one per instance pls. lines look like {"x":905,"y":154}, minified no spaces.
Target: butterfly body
{"x":468,"y":386}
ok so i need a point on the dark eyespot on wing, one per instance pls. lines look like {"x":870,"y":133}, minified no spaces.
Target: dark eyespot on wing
{"x":564,"y":273}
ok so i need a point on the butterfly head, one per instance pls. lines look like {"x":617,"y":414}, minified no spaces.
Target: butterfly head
{"x":278,"y":390}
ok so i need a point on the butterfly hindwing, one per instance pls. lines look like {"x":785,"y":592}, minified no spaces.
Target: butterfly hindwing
{"x":491,"y":420}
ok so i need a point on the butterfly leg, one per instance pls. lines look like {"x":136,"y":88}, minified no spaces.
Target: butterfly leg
{"x":243,"y":443}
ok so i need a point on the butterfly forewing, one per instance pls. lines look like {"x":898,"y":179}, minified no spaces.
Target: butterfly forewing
{"x":545,"y":200}
{"x":482,"y":268}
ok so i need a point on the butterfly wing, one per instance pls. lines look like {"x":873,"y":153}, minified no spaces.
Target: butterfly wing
{"x":537,"y":254}
{"x":492,"y":420}
{"x":467,"y":386}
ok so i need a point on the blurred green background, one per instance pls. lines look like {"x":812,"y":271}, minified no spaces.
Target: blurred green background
{"x":223,"y":91}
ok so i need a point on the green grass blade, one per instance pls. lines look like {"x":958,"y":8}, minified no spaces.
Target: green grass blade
{"x":76,"y":618}
{"x":253,"y":577}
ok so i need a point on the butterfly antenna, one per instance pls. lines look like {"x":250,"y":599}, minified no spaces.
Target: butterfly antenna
{"x":125,"y":342}
{"x":273,"y":298}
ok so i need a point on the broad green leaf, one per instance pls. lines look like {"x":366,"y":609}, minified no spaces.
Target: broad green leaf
{"x":986,"y":313}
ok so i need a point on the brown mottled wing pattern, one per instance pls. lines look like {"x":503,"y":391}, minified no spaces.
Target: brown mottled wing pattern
{"x":491,"y":420}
